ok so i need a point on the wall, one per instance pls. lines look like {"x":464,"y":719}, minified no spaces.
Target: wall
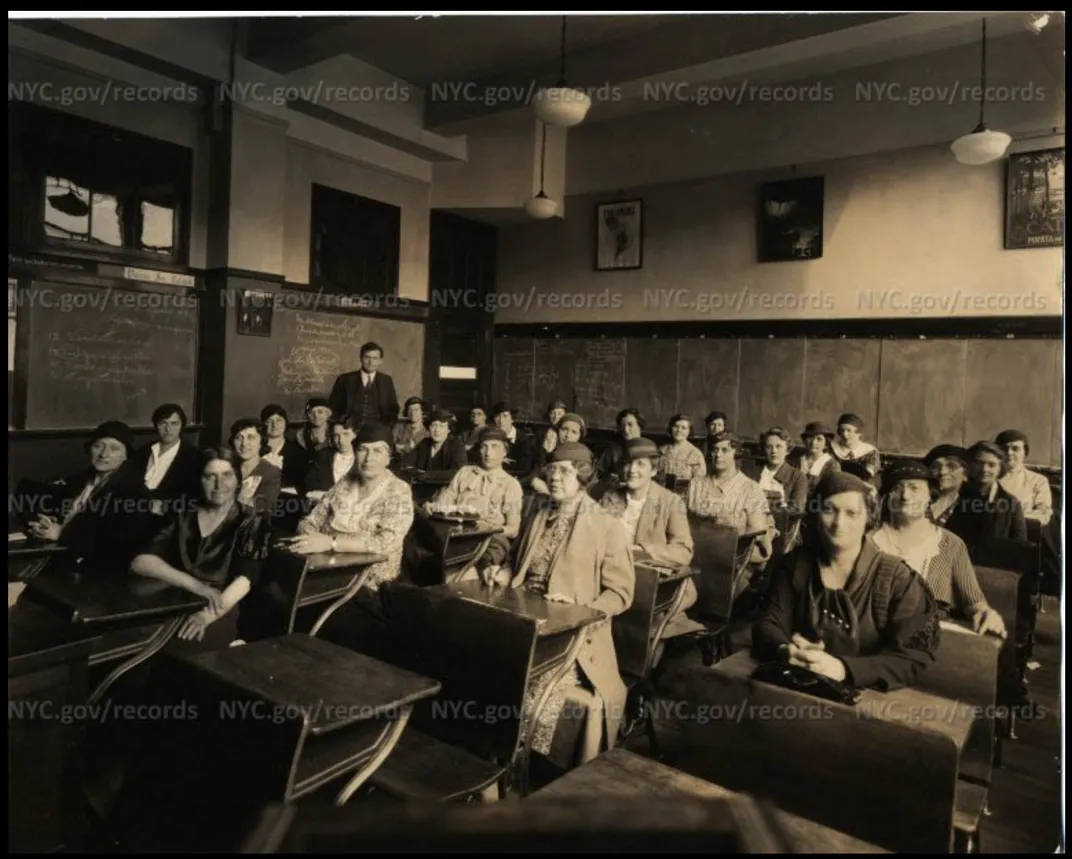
{"x":913,"y":221}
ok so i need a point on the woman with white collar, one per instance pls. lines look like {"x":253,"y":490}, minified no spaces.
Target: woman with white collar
{"x":938,"y":555}
{"x":259,"y":480}
{"x":816,"y":462}
{"x":851,"y":451}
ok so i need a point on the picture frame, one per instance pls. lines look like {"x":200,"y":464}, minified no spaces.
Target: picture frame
{"x":619,"y":235}
{"x":255,"y":311}
{"x":789,"y":220}
{"x":1035,"y":199}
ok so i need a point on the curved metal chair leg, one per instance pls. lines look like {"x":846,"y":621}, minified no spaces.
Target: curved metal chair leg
{"x":160,"y":638}
{"x":391,"y":736}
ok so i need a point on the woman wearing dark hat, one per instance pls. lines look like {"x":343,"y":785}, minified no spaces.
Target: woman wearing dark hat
{"x":571,"y":428}
{"x":851,"y":451}
{"x":102,"y":513}
{"x":314,"y":435}
{"x":816,"y":462}
{"x":478,"y":419}
{"x":938,"y":555}
{"x":681,"y":458}
{"x":287,"y":455}
{"x":410,"y":431}
{"x":572,"y":551}
{"x":949,"y":469}
{"x":260,"y":480}
{"x":654,"y":520}
{"x":843,"y":609}
{"x":171,"y":464}
{"x":369,"y":510}
{"x":441,"y":451}
{"x":983,"y":509}
{"x":1028,"y":487}
{"x":214,"y":551}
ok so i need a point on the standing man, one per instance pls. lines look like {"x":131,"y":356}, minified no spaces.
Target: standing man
{"x":366,"y":394}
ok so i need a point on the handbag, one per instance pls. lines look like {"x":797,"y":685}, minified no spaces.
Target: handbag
{"x":800,"y":679}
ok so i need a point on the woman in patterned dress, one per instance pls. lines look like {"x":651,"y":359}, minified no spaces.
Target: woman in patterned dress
{"x":681,"y":458}
{"x":570,"y":550}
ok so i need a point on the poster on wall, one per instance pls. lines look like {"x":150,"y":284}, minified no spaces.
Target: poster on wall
{"x":790,"y":220}
{"x":1035,"y":199}
{"x":619,"y":235}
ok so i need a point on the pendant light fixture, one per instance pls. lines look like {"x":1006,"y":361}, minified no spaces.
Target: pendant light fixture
{"x":983,"y":145}
{"x":541,"y":207}
{"x":560,"y":105}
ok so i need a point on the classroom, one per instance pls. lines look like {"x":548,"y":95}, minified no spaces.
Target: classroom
{"x":501,"y":431}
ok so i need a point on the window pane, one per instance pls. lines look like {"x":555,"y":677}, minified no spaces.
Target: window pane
{"x":107,"y":221}
{"x":66,"y":210}
{"x":459,"y":373}
{"x":157,"y":228}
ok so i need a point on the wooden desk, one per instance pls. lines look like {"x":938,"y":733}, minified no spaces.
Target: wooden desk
{"x":330,"y":579}
{"x":102,"y":603}
{"x":909,"y":706}
{"x":26,"y":558}
{"x":559,"y":636}
{"x":454,"y":545}
{"x":332,"y":710}
{"x":47,"y":668}
{"x":620,"y":773}
{"x":638,"y":630}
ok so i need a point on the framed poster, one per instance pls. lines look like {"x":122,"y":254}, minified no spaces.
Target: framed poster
{"x":1035,"y":199}
{"x":790,"y":220}
{"x":255,"y":313}
{"x":619,"y":235}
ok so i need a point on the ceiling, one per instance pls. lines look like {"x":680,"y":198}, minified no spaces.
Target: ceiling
{"x":512,"y":51}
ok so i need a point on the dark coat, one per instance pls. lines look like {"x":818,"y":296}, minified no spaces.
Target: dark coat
{"x":180,"y":487}
{"x":348,"y":397}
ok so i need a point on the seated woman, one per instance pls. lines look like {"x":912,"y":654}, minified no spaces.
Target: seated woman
{"x":843,"y":609}
{"x":716,"y":422}
{"x":778,"y":477}
{"x":851,"y":451}
{"x":102,"y":513}
{"x":287,"y":455}
{"x":655,"y":523}
{"x":369,"y":510}
{"x":260,"y":480}
{"x":630,"y":424}
{"x":939,"y":556}
{"x":680,"y":459}
{"x":332,"y":464}
{"x":983,"y":509}
{"x":555,"y":412}
{"x":441,"y":451}
{"x":410,"y":431}
{"x":571,"y":428}
{"x":520,"y":448}
{"x":572,"y":551}
{"x":816,"y":462}
{"x":214,"y":551}
{"x":315,"y":434}
{"x":1030,"y":488}
{"x":478,"y":419}
{"x":949,"y":469}
{"x":170,"y":465}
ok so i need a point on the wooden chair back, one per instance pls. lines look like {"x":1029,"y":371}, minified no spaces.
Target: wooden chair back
{"x":714,"y":554}
{"x":632,"y":629}
{"x":822,"y":761}
{"x":482,"y":657}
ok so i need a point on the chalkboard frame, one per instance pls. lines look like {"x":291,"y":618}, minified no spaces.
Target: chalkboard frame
{"x":26,"y":277}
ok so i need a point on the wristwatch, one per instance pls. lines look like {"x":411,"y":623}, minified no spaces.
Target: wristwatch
{"x":334,"y":544}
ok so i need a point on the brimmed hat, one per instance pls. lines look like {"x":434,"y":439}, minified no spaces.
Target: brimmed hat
{"x":374,"y":432}
{"x":641,"y":448}
{"x":946,"y":451}
{"x":445,"y":416}
{"x":904,"y":469}
{"x":572,"y":451}
{"x":492,"y":434}
{"x":817,"y":428}
{"x":837,"y":482}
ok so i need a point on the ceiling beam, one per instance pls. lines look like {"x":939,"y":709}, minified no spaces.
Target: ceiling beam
{"x":300,"y":42}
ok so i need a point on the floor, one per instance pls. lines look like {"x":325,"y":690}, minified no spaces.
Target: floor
{"x":1025,"y":799}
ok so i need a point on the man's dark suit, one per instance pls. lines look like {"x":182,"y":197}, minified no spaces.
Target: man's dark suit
{"x":377,"y":404}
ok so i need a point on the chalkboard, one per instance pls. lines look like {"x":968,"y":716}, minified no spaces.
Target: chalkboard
{"x":99,"y":354}
{"x":513,"y":376}
{"x":313,"y":348}
{"x":921,"y":395}
{"x":599,"y":380}
{"x":911,"y":393}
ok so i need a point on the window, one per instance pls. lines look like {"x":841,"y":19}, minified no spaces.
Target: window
{"x":101,"y":189}
{"x":355,"y":244}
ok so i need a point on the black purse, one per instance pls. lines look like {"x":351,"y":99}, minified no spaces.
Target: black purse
{"x":808,"y":682}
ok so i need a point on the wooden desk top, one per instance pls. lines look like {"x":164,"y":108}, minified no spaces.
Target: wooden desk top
{"x":620,"y":773}
{"x":33,"y":548}
{"x":552,"y":618}
{"x":426,"y":478}
{"x":330,"y":686}
{"x":99,"y":600}
{"x":340,"y":560}
{"x":908,"y":706}
{"x":37,"y":639}
{"x":666,"y":573}
{"x":456,"y":528}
